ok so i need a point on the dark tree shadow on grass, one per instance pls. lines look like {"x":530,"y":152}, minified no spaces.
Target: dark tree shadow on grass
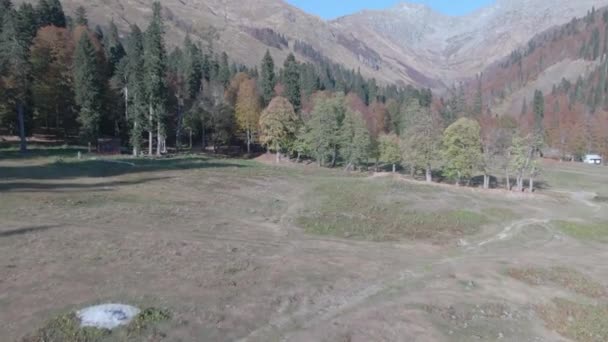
{"x":99,"y":168}
{"x":71,"y":187}
{"x":23,"y":231}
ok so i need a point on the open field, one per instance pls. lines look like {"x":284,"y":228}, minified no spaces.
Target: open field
{"x":238,"y":250}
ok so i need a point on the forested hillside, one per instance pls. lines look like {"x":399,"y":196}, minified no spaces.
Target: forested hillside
{"x":566,"y":66}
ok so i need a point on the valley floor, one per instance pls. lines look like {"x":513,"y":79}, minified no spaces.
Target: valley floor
{"x":242,"y":251}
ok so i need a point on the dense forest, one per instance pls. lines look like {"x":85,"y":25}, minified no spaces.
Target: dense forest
{"x":62,"y":77}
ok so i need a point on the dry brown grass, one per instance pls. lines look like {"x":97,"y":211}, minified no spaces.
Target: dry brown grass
{"x":567,"y":278}
{"x":579,"y":322}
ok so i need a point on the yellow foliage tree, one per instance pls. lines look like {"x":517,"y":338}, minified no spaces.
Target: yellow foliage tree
{"x":248,"y":110}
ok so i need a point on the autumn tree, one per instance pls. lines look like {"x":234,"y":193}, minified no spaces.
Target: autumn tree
{"x":15,"y":71}
{"x":88,"y":88}
{"x":461,"y":149}
{"x":247,"y":110}
{"x":278,"y":125}
{"x":52,"y":89}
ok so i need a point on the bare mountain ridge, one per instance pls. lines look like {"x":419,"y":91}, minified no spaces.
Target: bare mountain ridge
{"x":448,"y":48}
{"x":408,"y":44}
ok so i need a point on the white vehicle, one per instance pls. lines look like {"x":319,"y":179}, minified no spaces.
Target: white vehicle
{"x":594,"y":159}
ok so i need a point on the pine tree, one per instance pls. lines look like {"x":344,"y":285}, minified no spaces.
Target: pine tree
{"x":224,"y":70}
{"x":478,"y":104}
{"x":15,"y":71}
{"x":88,"y":88}
{"x":291,"y":81}
{"x":27,"y":23}
{"x":80,"y":16}
{"x":268,"y":78}
{"x":192,"y":68}
{"x":50,"y":12}
{"x":135,"y":87}
{"x":114,"y":49}
{"x":539,"y":111}
{"x":155,"y":66}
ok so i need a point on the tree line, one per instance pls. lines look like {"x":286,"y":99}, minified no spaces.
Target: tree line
{"x":59,"y":74}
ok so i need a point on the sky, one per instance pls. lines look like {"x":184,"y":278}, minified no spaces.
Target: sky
{"x":331,"y":9}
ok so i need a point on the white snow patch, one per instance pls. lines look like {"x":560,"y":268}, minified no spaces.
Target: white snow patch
{"x":107,"y":316}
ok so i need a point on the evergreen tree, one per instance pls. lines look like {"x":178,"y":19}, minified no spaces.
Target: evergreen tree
{"x":88,"y":88}
{"x":114,"y":49}
{"x":268,"y":78}
{"x":135,"y":87}
{"x":478,"y":103}
{"x":192,"y":68}
{"x":155,"y":66}
{"x":80,"y":17}
{"x":539,"y":111}
{"x":206,"y":68}
{"x":27,"y":23}
{"x":50,"y":12}
{"x":291,"y":80}
{"x":224,"y":70}
{"x":14,"y":72}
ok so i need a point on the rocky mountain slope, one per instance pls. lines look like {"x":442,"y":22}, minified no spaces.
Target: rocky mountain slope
{"x":410,"y":43}
{"x":444,"y":48}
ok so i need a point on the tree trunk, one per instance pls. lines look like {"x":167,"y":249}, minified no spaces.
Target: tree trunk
{"x":412,"y":171}
{"x":277,"y":149}
{"x":394,"y":168}
{"x":21,"y":118}
{"x":158,"y":140}
{"x":531,"y":184}
{"x":203,"y":142}
{"x":508,"y":180}
{"x":150,"y":132}
{"x":178,"y":130}
{"x":429,"y":174}
{"x":249,"y":142}
{"x":334,"y":158}
{"x":486,"y":181}
{"x":190,"y":139}
{"x":135,"y":147}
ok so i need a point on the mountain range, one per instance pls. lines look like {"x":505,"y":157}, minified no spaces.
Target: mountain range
{"x":406,"y":44}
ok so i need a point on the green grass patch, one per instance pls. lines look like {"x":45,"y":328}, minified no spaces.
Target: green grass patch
{"x":584,"y":231}
{"x":568,"y":278}
{"x":579,"y":322}
{"x":66,"y":328}
{"x":499,"y":214}
{"x":352,"y":208}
